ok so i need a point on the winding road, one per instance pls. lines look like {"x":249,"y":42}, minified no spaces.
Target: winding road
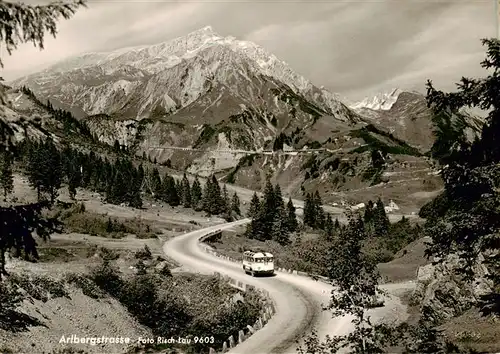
{"x":298,"y":299}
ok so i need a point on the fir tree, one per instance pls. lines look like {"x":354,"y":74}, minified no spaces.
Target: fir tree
{"x":380,"y":220}
{"x":140,"y":177}
{"x":369,"y":210}
{"x":254,"y":206}
{"x":119,"y":186}
{"x":336,"y":225}
{"x":23,"y":23}
{"x":278,"y":196}
{"x":72,"y":171}
{"x":155,"y":183}
{"x":186,"y":192}
{"x":329,"y":226}
{"x":196,"y":193}
{"x":34,"y":168}
{"x":268,"y":210}
{"x":217,"y":196}
{"x":292,"y":223}
{"x":53,"y":171}
{"x":319,"y":214}
{"x":465,"y":219}
{"x":169,"y":191}
{"x":235,"y":204}
{"x":226,"y":202}
{"x":6,"y":178}
{"x":309,"y":211}
{"x":45,"y":169}
{"x":279,"y":230}
{"x":134,"y":195}
{"x":212,"y":199}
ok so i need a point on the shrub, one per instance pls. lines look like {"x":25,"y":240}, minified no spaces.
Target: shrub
{"x":107,"y":277}
{"x":86,"y":284}
{"x":145,"y":253}
{"x":39,"y":287}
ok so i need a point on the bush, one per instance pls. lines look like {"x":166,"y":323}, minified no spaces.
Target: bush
{"x":108,"y":254}
{"x":39,"y":287}
{"x":76,"y":219}
{"x":107,"y":277}
{"x":86,"y":284}
{"x":143,"y":254}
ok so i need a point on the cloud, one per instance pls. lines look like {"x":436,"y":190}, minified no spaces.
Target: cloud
{"x":355,"y":48}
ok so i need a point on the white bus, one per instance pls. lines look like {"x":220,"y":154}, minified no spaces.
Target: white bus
{"x":258,"y":263}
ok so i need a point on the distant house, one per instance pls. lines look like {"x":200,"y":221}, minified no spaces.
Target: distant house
{"x":391,"y":207}
{"x":358,"y":206}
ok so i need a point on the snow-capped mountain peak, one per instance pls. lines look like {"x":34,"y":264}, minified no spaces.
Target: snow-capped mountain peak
{"x":382,"y":101}
{"x":171,"y":74}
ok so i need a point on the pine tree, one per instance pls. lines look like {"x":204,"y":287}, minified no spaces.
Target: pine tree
{"x":217,"y":196}
{"x":34,"y":168}
{"x":6,"y":178}
{"x":278,"y":196}
{"x":169,"y":192}
{"x":44,"y":169}
{"x":53,"y":171}
{"x":137,"y":177}
{"x":292,"y":223}
{"x":356,"y":277}
{"x":186,"y":192}
{"x":336,"y":225}
{"x":155,"y":183}
{"x":319,"y":214}
{"x":212,"y":199}
{"x":279,"y":230}
{"x":140,"y":177}
{"x":309,"y":211}
{"x":380,"y":219}
{"x":254,"y":206}
{"x":235,"y":204}
{"x":117,"y":189}
{"x":269,"y":200}
{"x":226,"y":202}
{"x":268,"y":210}
{"x":72,"y":171}
{"x":329,"y":226}
{"x":464,"y":220}
{"x":23,"y":23}
{"x":368,"y":216}
{"x":196,"y":193}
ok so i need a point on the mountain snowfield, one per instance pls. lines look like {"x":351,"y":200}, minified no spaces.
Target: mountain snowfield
{"x":380,"y":102}
{"x":95,"y":83}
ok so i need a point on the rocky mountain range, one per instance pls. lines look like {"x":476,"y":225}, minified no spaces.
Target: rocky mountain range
{"x":214,"y":93}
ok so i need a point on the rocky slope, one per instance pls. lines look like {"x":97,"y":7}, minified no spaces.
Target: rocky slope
{"x":407,"y":117}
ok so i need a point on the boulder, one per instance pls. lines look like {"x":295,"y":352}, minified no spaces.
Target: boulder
{"x":445,"y":292}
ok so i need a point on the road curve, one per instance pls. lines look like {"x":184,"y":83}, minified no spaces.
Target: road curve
{"x":298,"y":299}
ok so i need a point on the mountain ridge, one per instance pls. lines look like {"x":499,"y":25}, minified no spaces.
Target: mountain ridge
{"x":154,"y":59}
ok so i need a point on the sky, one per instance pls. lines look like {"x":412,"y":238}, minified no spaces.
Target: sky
{"x":353,"y":48}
